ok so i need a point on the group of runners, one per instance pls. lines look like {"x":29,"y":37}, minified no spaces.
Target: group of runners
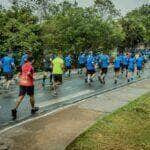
{"x":90,"y":64}
{"x":97,"y":64}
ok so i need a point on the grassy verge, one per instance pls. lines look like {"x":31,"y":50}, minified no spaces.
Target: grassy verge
{"x":126,"y":129}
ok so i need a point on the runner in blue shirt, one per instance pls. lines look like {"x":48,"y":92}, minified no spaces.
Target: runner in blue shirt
{"x":47,"y":72}
{"x":7,"y":65}
{"x":90,"y":66}
{"x":68,"y":62}
{"x":81,"y":62}
{"x":125,"y":63}
{"x":121,"y":56}
{"x":104,"y":67}
{"x":99,"y":60}
{"x":117,"y":65}
{"x":96,"y":57}
{"x":131,"y":67}
{"x":23,"y":59}
{"x":99,"y":65}
{"x":139,"y":64}
{"x":1,"y":70}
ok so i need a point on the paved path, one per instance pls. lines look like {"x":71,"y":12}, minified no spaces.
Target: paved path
{"x":72,"y":89}
{"x":54,"y":131}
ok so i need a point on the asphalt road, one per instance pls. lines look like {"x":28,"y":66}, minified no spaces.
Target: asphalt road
{"x":72,"y":88}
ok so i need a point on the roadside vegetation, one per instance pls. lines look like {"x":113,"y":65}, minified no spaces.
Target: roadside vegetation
{"x":126,"y":129}
{"x":45,"y":25}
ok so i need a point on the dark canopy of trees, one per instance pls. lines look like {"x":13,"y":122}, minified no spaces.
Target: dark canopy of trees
{"x":136,"y":26}
{"x":44,"y":25}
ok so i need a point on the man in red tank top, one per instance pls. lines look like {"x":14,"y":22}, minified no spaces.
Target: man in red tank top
{"x":26,"y":82}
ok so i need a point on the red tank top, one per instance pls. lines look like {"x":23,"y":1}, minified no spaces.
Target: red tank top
{"x":26,"y":77}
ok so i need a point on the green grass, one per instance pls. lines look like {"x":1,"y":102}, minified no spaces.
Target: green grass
{"x":126,"y":129}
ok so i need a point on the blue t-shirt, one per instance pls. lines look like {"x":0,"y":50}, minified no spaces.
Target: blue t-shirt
{"x":125,"y":60}
{"x":131,"y":63}
{"x":96,"y":57}
{"x":7,"y":63}
{"x":90,"y":63}
{"x":99,"y":59}
{"x":117,"y":62}
{"x":23,"y":59}
{"x":139,"y":62}
{"x":121,"y":56}
{"x":82,"y":59}
{"x":68,"y":61}
{"x":104,"y":61}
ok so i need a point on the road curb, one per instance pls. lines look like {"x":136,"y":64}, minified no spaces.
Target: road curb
{"x":57,"y":106}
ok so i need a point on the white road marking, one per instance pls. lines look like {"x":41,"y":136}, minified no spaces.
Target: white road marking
{"x":68,"y":87}
{"x":36,"y":118}
{"x":42,"y":116}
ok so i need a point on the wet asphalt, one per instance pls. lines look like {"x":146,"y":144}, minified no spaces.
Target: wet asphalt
{"x":73,"y":87}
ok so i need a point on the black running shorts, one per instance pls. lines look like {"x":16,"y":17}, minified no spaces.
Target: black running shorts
{"x":29,"y":90}
{"x":91,"y":72}
{"x":125,"y":67}
{"x":68,"y":67}
{"x":57,"y":78}
{"x":116,"y":69}
{"x":48,"y":69}
{"x":8,"y":76}
{"x":81,"y":66}
{"x":104,"y":70}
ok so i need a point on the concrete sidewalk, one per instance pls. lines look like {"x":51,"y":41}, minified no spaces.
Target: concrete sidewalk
{"x":56,"y":130}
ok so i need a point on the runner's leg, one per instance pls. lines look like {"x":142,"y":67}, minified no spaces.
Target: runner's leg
{"x":51,"y":76}
{"x":14,"y":111}
{"x":69,"y":72}
{"x":19,"y":101}
{"x":32,"y":101}
{"x":44,"y":78}
{"x":88,"y":78}
{"x":129,"y":76}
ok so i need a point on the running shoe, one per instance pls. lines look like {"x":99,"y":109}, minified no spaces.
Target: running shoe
{"x":14,"y":114}
{"x":34,"y":110}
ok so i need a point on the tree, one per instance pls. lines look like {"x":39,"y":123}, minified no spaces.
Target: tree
{"x":106,"y":8}
{"x":19,"y":30}
{"x":66,"y":26}
{"x":14,"y":2}
{"x":78,"y":28}
{"x":43,"y":7}
{"x":136,"y":26}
